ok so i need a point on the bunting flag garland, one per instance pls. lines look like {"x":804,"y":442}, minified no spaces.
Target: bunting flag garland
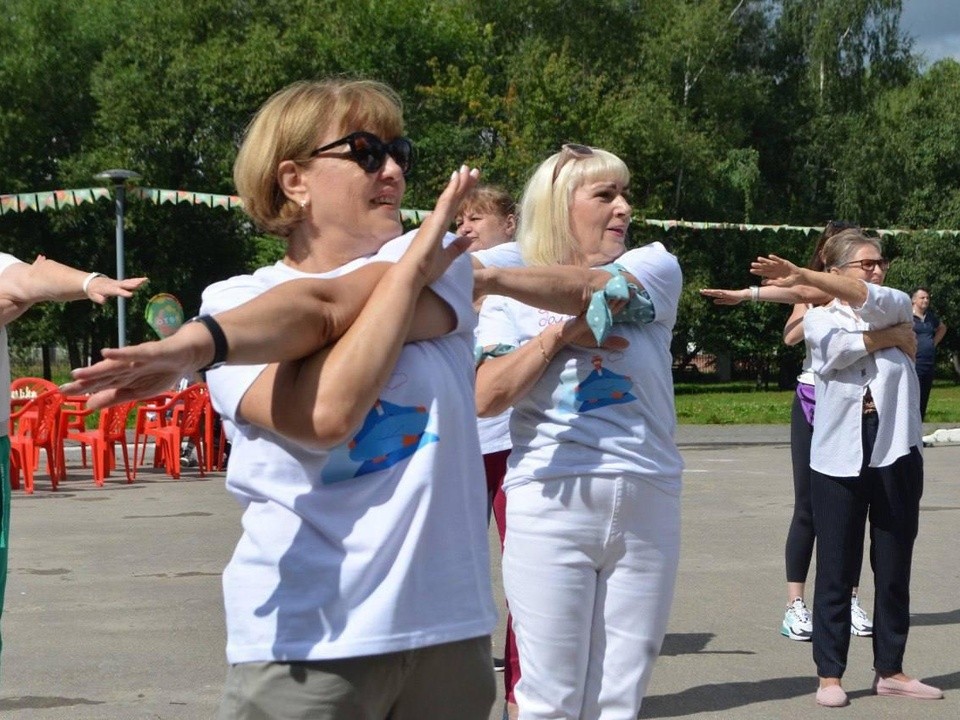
{"x":50,"y":200}
{"x":807,"y":229}
{"x":59,"y":199}
{"x":414,"y":216}
{"x":171,"y":197}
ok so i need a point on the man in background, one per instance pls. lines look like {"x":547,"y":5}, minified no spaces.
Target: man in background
{"x":930,"y":332}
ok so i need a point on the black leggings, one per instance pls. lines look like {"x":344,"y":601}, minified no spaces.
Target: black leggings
{"x":800,"y":536}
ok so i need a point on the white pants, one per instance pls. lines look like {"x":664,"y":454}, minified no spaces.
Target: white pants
{"x":589,"y":568}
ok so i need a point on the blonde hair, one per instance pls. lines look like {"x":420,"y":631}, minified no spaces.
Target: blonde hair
{"x":289,"y":125}
{"x":544,"y":232}
{"x":839,"y":249}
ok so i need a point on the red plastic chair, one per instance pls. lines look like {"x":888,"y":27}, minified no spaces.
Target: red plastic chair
{"x":187,"y":422}
{"x":32,"y":428}
{"x":111,"y":429}
{"x":73,"y":419}
{"x":151,"y":414}
{"x":27,"y":388}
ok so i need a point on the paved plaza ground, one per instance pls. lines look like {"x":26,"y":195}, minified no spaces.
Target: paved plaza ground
{"x":114,"y":609}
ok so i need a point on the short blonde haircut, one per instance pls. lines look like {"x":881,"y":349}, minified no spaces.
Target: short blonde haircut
{"x":544,"y":233}
{"x":290,"y":124}
{"x":840,"y":249}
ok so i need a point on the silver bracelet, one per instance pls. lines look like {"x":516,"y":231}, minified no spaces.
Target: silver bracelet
{"x":754,"y":293}
{"x":89,"y":279}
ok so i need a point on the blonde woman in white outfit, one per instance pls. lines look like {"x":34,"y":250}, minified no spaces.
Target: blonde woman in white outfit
{"x":593,"y":480}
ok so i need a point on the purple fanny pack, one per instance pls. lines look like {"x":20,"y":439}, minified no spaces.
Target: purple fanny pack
{"x":807,"y":400}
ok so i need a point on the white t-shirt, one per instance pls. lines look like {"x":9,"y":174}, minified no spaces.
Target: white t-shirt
{"x":378,"y":545}
{"x":495,"y":431}
{"x":844,"y":369}
{"x":598,"y":412}
{"x":503,"y":255}
{"x":6,"y":260}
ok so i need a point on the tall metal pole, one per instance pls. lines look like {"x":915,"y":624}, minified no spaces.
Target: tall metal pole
{"x":121,"y":192}
{"x":119,"y":179}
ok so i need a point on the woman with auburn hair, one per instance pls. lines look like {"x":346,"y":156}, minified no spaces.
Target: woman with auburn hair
{"x":593,"y":479}
{"x":865,"y":458}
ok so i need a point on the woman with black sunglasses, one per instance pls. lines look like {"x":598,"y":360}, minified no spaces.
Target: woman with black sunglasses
{"x":360,"y":586}
{"x":865,"y":458}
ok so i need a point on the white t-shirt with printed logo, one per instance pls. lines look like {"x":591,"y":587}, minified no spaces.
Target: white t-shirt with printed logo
{"x":597,"y":412}
{"x":376,"y":546}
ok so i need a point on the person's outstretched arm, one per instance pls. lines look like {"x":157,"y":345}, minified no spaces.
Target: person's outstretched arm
{"x":287,"y":322}
{"x":23,"y":285}
{"x":779,"y":272}
{"x":800,"y":294}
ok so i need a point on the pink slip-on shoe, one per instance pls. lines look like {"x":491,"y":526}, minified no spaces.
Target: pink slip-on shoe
{"x":831,"y":696}
{"x":911,"y":689}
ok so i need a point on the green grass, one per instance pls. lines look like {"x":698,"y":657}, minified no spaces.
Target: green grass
{"x":740,"y":403}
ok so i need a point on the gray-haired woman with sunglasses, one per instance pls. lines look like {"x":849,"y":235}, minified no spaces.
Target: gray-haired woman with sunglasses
{"x":865,"y":458}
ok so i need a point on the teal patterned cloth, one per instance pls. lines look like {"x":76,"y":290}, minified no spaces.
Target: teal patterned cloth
{"x":639,"y":308}
{"x":479,"y":354}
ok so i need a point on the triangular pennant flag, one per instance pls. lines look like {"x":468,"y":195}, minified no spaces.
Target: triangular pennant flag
{"x":83,"y":196}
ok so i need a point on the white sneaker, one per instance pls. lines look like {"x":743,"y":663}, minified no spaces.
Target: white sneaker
{"x":860,"y":624}
{"x":797,"y":623}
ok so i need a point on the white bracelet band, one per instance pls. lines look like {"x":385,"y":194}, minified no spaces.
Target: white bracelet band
{"x":754,"y":293}
{"x":89,"y":279}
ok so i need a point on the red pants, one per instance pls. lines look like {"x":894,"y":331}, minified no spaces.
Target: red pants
{"x":495,"y":465}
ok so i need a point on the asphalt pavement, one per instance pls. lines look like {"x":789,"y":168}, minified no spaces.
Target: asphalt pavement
{"x":113,"y":608}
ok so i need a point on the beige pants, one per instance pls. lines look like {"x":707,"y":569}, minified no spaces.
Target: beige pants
{"x":453,"y":681}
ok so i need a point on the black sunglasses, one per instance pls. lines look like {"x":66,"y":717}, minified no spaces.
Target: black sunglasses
{"x":370,"y":152}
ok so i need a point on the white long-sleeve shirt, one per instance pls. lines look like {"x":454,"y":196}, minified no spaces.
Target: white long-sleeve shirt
{"x":844,"y":370}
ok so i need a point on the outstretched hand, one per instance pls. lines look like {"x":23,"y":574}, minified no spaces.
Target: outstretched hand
{"x":776,"y":271}
{"x":139,"y":371}
{"x":426,"y":251}
{"x":725,"y":297}
{"x":104,"y":287}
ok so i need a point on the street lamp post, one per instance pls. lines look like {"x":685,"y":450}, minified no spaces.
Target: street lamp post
{"x":119,"y":180}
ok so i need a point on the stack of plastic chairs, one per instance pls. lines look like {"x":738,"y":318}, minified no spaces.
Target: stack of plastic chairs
{"x":35,"y":427}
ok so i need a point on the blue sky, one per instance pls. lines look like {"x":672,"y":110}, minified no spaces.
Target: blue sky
{"x":935,"y":26}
